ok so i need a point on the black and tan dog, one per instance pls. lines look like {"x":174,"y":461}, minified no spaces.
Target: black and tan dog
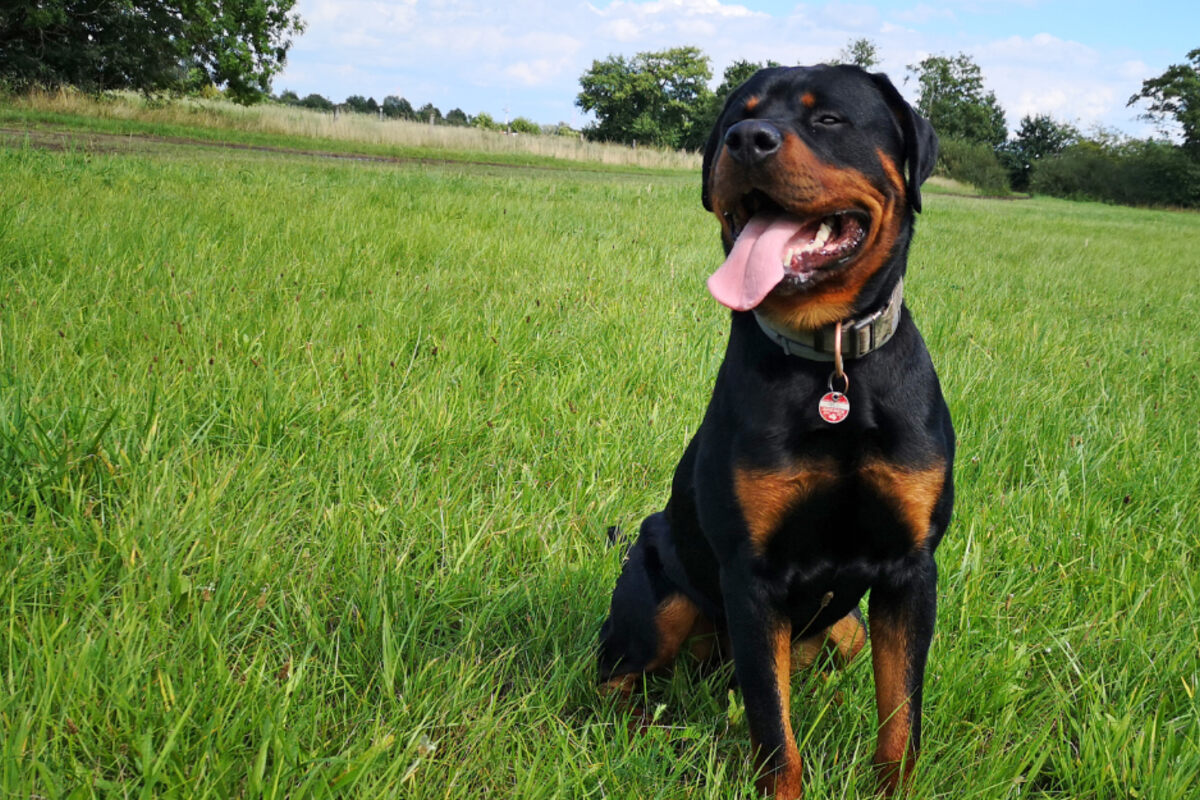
{"x":808,"y":485}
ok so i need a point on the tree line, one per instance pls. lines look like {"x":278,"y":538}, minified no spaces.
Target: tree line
{"x":662,"y":98}
{"x":394,"y":107}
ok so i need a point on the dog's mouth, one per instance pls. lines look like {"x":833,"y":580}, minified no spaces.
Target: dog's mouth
{"x":776,"y":250}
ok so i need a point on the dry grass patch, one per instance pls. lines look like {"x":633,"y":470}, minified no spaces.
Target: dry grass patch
{"x":362,"y":128}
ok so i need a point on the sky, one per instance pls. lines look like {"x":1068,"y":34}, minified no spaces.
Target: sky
{"x":1077,"y":61}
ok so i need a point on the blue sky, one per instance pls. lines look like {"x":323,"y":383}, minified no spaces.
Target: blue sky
{"x":1079,"y":61}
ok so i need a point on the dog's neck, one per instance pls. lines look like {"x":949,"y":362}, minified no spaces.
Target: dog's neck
{"x":860,"y":335}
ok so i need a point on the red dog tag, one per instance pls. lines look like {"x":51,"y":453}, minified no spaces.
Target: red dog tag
{"x":834,"y":407}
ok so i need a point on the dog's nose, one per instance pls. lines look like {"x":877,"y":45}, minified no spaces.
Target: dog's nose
{"x":752,"y":141}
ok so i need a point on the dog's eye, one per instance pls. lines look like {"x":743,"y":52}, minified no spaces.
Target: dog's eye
{"x":828,"y":120}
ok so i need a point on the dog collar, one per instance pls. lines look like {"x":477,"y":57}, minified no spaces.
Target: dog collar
{"x":859,"y":336}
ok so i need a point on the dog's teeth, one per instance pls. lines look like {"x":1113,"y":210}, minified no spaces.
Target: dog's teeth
{"x":823,"y":234}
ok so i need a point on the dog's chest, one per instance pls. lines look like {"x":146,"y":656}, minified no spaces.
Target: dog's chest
{"x":816,"y":505}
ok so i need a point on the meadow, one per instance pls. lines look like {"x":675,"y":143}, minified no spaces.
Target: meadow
{"x":306,"y":466}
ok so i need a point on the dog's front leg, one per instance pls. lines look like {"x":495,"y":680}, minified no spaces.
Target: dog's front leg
{"x":762,"y":643}
{"x":901,"y":617}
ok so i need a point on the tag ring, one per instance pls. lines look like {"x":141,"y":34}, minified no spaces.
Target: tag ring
{"x":838,"y":372}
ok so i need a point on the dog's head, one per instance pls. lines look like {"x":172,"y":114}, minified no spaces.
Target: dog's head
{"x":814,"y":174}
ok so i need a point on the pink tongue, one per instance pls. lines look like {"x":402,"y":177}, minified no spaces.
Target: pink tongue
{"x":755,"y":265}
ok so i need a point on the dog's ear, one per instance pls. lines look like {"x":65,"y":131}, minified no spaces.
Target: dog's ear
{"x":920,"y":140}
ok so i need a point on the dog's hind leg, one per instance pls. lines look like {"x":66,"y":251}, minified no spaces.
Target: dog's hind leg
{"x":649,"y":618}
{"x":843,"y":640}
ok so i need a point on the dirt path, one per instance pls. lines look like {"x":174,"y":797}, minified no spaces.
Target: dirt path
{"x":60,"y":140}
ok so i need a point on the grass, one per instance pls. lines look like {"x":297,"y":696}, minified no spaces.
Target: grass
{"x":305,"y":468}
{"x":269,"y":123}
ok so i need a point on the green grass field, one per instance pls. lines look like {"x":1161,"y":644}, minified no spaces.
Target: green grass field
{"x":305,"y":467}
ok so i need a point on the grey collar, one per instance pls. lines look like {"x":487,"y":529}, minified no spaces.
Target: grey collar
{"x":859,"y":336}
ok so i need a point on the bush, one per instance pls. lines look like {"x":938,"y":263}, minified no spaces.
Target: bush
{"x":484,"y":120}
{"x":1158,"y":173}
{"x":1082,"y":172}
{"x":1137,"y":173}
{"x":523,"y":125}
{"x":316,"y":101}
{"x":974,"y":163}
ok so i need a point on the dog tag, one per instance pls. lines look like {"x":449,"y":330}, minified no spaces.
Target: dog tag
{"x":834,"y":407}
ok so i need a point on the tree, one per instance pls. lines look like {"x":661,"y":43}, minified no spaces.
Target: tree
{"x":655,"y":98}
{"x":457,"y":117}
{"x":859,"y":52}
{"x":398,"y":108}
{"x":429,"y":113}
{"x":289,"y":97}
{"x":357,"y":103}
{"x":1175,"y":95}
{"x":147,"y":45}
{"x":1037,"y":138}
{"x":954,"y":101}
{"x":317,"y":102}
{"x":1041,"y":136}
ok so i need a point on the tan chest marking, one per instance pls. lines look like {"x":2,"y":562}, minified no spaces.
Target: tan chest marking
{"x":766,"y":496}
{"x":912,"y":493}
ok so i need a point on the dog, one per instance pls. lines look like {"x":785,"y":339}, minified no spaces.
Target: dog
{"x":822,"y":471}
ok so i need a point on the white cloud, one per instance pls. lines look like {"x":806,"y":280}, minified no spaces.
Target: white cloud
{"x":1069,"y":80}
{"x":623,"y":30}
{"x":1040,"y":49}
{"x":538,"y":72}
{"x":357,"y":39}
{"x":1136,"y":70}
{"x":694,"y":29}
{"x":655,"y":23}
{"x":393,"y":16}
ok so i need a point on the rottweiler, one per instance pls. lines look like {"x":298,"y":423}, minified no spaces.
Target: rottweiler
{"x":822,"y":470}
